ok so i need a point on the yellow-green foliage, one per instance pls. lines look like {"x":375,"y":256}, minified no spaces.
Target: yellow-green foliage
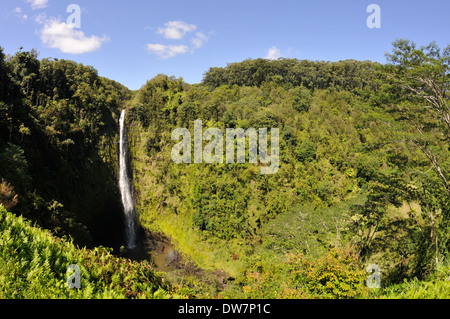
{"x":339,"y":274}
{"x":33,"y":264}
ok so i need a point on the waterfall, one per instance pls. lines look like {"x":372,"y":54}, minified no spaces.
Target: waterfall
{"x":125,"y":188}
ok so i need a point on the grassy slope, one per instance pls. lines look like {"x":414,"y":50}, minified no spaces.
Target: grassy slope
{"x":33,"y":264}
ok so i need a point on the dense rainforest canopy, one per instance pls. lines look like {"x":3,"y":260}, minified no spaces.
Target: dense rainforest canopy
{"x":363,"y":178}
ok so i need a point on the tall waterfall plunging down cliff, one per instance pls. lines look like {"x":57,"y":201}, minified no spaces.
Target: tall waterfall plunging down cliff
{"x":125,"y":188}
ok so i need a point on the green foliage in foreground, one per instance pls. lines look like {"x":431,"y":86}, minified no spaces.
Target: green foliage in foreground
{"x":416,"y":289}
{"x":33,"y":264}
{"x":437,"y":287}
{"x":339,"y":274}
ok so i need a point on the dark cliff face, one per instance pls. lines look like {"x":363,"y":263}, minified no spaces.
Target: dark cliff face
{"x":95,"y":196}
{"x":84,"y":182}
{"x":107,"y":226}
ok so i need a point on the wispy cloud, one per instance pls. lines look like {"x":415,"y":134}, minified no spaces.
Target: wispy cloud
{"x":19,"y":13}
{"x":38,"y":4}
{"x":176,"y":30}
{"x":68,"y":39}
{"x":199,"y":40}
{"x":273,"y":53}
{"x":41,"y":18}
{"x":166,"y":51}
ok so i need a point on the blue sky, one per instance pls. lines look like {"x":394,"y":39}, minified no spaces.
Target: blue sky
{"x":132,"y":41}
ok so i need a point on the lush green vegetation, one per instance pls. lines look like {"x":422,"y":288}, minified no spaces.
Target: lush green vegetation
{"x":34,"y":265}
{"x":58,"y":127}
{"x":363,"y":176}
{"x":363,"y":164}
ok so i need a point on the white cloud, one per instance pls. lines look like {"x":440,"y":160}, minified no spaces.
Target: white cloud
{"x":199,"y":40}
{"x":176,"y":30}
{"x":18,"y":12}
{"x":63,"y":36}
{"x":38,"y":4}
{"x":273,"y":53}
{"x":166,"y":51}
{"x":41,"y":18}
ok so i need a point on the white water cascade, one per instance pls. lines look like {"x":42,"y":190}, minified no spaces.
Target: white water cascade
{"x":125,"y":188}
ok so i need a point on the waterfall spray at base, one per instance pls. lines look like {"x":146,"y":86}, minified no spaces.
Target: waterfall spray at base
{"x":125,"y":188}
